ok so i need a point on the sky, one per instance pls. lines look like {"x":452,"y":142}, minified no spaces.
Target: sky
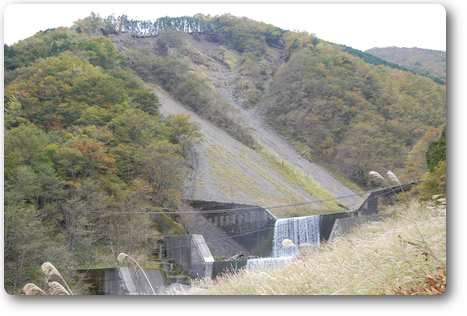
{"x":361,"y":26}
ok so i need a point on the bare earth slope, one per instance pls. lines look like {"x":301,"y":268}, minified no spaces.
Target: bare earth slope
{"x":223,"y":169}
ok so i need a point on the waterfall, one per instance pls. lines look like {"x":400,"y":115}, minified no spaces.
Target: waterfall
{"x":298,"y":229}
{"x":301,"y":230}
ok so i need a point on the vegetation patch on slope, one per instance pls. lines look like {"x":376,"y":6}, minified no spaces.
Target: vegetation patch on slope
{"x":298,"y":178}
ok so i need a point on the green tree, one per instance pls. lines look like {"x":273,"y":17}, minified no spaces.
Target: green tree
{"x":137,"y":127}
{"x":54,"y":50}
{"x":127,"y":162}
{"x":52,"y":188}
{"x":27,"y":242}
{"x":23,"y":146}
{"x":434,"y":182}
{"x":147,"y":101}
{"x":195,"y":93}
{"x":436,"y":152}
{"x":22,"y":186}
{"x":70,"y":162}
{"x":81,"y":226}
{"x":182,"y":131}
{"x":14,"y":115}
{"x":101,"y":52}
{"x":164,"y":169}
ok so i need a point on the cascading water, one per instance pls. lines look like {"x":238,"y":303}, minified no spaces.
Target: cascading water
{"x":300,"y":230}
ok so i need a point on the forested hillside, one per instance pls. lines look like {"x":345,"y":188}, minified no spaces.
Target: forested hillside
{"x":353,"y":115}
{"x":84,"y":141}
{"x":425,"y":61}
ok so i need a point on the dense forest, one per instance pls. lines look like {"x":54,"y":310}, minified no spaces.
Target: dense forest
{"x":353,"y":115}
{"x":425,"y":61}
{"x":84,"y":142}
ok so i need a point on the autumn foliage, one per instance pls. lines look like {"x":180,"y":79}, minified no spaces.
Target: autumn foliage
{"x":83,"y":143}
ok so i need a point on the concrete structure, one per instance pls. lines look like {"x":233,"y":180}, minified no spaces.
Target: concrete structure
{"x":124,"y":281}
{"x":252,"y":227}
{"x":327,"y":221}
{"x":382,"y":197}
{"x":191,"y":252}
{"x":128,"y":281}
{"x":239,"y":221}
{"x":343,"y":226}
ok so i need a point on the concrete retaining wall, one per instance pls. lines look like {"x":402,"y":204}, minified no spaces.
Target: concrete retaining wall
{"x":343,"y":226}
{"x":382,"y":197}
{"x":326,"y":222}
{"x":242,"y":220}
{"x":191,"y":252}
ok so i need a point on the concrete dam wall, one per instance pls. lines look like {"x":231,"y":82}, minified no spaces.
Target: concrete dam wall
{"x":248,"y":225}
{"x":252,"y":227}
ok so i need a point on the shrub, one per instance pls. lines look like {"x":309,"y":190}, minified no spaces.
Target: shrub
{"x":433,"y":182}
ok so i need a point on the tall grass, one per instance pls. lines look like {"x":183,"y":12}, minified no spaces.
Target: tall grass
{"x":53,"y":288}
{"x":377,"y":258}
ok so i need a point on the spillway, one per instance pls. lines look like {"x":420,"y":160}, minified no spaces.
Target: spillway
{"x":298,"y":229}
{"x":301,"y":230}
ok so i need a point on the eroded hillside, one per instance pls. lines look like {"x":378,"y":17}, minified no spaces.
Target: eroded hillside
{"x":268,"y":172}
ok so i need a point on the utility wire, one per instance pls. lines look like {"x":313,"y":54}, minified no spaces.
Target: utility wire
{"x":252,"y":208}
{"x":238,"y":209}
{"x":239,"y":235}
{"x":249,"y":208}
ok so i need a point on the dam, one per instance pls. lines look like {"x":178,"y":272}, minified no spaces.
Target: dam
{"x":239,"y":236}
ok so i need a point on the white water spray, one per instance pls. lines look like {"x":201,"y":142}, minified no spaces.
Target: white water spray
{"x":300,"y":230}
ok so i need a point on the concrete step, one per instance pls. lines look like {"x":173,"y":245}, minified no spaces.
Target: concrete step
{"x":169,"y":273}
{"x":167,"y":266}
{"x":178,"y":279}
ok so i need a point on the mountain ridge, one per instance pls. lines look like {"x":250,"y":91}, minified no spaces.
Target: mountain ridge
{"x":427,"y":61}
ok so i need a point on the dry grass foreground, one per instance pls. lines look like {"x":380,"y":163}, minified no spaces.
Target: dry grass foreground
{"x":403,"y":255}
